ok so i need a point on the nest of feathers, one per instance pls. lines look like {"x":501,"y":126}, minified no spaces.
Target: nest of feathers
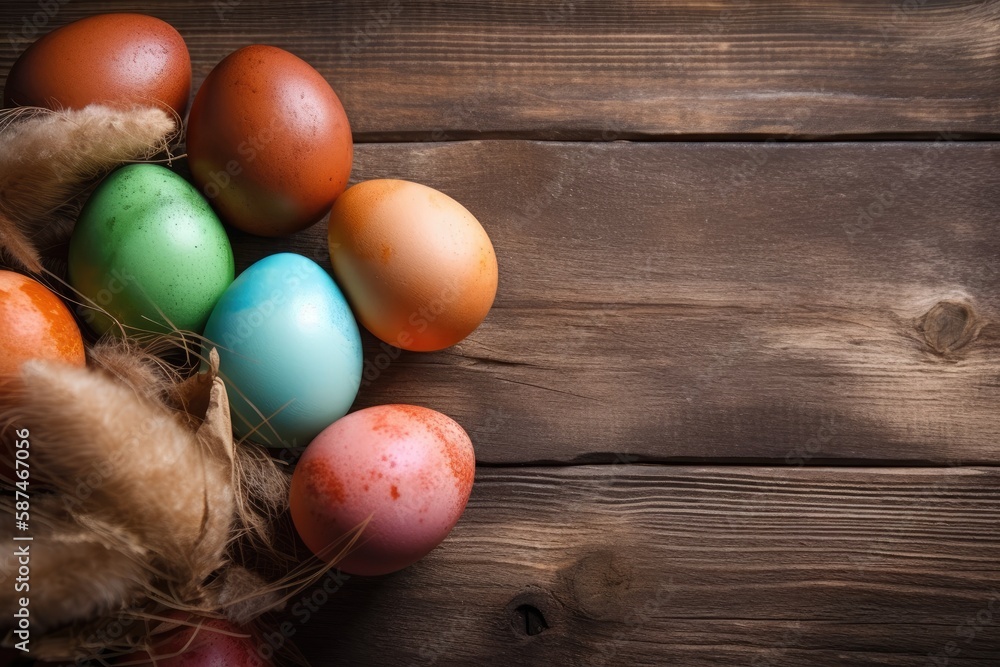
{"x":143,"y":506}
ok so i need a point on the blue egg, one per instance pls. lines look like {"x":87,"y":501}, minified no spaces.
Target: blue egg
{"x":289,"y":348}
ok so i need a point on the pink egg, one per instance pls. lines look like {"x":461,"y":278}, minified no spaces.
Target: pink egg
{"x":409,"y":469}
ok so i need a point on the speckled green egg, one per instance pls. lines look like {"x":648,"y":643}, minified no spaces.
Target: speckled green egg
{"x":149,"y":250}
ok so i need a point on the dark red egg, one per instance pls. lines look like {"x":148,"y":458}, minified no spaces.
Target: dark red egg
{"x":116,"y":59}
{"x":268,"y":142}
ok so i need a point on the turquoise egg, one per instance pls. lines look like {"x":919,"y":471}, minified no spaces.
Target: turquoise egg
{"x":148,"y":250}
{"x":289,"y":350}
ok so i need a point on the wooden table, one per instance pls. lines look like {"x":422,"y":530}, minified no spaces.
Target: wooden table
{"x":737,"y":401}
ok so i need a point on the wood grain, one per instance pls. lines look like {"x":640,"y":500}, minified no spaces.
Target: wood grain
{"x":587,"y":69}
{"x":657,"y":565}
{"x":798,"y":304}
{"x":651,"y":307}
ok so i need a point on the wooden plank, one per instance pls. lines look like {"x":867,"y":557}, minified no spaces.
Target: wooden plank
{"x":582,"y":69}
{"x":656,"y":565}
{"x":651,"y":306}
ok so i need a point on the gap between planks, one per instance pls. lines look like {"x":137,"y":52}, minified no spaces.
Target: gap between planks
{"x":698,"y":566}
{"x":555,"y":135}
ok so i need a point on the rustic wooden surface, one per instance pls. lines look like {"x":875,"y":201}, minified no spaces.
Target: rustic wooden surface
{"x":692,"y":566}
{"x":431,"y":69}
{"x":688,"y":334}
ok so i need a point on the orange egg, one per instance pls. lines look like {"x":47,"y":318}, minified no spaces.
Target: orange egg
{"x":35,"y":325}
{"x":417,"y":267}
{"x":116,"y":59}
{"x":268,"y":141}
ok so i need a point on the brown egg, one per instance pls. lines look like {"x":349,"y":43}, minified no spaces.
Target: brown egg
{"x":417,"y":267}
{"x":269,"y":142}
{"x":116,"y":59}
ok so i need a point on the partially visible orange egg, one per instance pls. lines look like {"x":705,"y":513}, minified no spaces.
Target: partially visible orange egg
{"x":34,"y":324}
{"x":114,"y":59}
{"x":417,"y":267}
{"x":268,"y":141}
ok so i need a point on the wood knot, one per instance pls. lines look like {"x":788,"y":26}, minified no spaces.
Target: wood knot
{"x":529,"y":619}
{"x":949,"y":326}
{"x":600,"y":583}
{"x":532,"y":611}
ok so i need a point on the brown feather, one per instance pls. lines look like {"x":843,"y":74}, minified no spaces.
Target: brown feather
{"x":49,"y":157}
{"x":144,"y":469}
{"x":156,"y":508}
{"x":84,"y":574}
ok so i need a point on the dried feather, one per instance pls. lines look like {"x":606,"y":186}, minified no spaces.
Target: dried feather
{"x":135,"y":367}
{"x":232,"y":587}
{"x":48,"y":157}
{"x":262,"y":489}
{"x":150,"y":476}
{"x":85,"y":576}
{"x":189,"y":522}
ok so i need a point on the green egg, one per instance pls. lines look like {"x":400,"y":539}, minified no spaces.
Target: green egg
{"x":149,"y":250}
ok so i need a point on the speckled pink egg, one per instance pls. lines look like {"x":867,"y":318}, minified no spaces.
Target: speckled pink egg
{"x":409,"y":469}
